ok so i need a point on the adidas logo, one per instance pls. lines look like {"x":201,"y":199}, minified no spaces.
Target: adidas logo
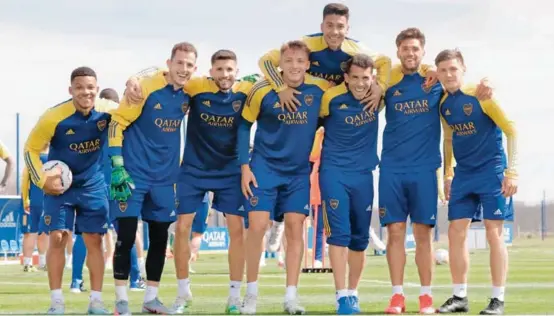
{"x":105,"y":226}
{"x":433,"y":217}
{"x":343,"y":107}
{"x":172,"y":213}
{"x":307,"y":207}
{"x":206,"y":103}
{"x":241,"y":208}
{"x":447,"y":112}
{"x":8,"y":221}
{"x":497,"y":212}
{"x":397,"y":93}
{"x":277,"y":105}
{"x":70,"y":132}
{"x":157,"y":107}
{"x":369,"y":209}
{"x":315,"y":63}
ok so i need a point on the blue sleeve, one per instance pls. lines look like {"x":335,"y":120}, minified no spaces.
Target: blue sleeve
{"x":114,"y":151}
{"x":244,"y":141}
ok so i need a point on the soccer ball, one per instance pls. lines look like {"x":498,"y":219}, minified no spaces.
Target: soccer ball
{"x":67,"y":175}
{"x":441,"y":256}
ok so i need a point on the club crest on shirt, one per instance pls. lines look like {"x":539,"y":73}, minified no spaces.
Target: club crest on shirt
{"x":333,"y":203}
{"x":123,"y":206}
{"x":382,"y":212}
{"x":468,"y":108}
{"x":309,"y":99}
{"x":426,"y":88}
{"x":236,"y":105}
{"x":102,"y":125}
{"x":185,"y":107}
{"x":47,"y":219}
{"x":254,"y":201}
{"x":343,"y":66}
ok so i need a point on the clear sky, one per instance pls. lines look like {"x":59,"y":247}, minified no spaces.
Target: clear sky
{"x":506,"y":40}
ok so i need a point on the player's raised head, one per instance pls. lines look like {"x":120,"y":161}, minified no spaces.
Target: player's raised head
{"x":295,"y":61}
{"x":335,"y":24}
{"x":84,"y":88}
{"x":224,"y":69}
{"x":109,"y":94}
{"x":410,"y":45}
{"x":359,"y":75}
{"x":182,"y":63}
{"x":450,"y":69}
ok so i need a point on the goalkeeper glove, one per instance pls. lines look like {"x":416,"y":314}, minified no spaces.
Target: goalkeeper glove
{"x":121,"y":184}
{"x":251,"y":78}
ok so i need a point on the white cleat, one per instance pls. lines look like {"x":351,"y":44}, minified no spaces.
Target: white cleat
{"x":293,"y":308}
{"x":249,"y":305}
{"x":275,"y":236}
{"x":318,"y":264}
{"x":181,"y":304}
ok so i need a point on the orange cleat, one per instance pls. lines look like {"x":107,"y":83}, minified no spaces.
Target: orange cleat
{"x":426,"y":305}
{"x":397,"y":305}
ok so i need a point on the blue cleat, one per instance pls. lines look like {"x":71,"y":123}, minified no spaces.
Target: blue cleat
{"x":355,"y":302}
{"x":345,"y":306}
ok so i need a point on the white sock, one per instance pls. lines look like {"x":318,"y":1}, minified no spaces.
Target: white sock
{"x":397,"y":289}
{"x":234,"y":289}
{"x":425,"y":290}
{"x":290,"y":293}
{"x":95,"y":296}
{"x":150,"y":294}
{"x":27,"y":261}
{"x":460,"y":290}
{"x":41,"y":260}
{"x":69,"y":259}
{"x":121,"y":293}
{"x":252,"y":288}
{"x":142,"y":267}
{"x":341,"y":293}
{"x":498,"y":292}
{"x":56,"y":295}
{"x":183,"y":287}
{"x":353,"y":292}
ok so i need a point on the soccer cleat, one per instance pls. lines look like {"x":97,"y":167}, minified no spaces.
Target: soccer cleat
{"x":29,"y":268}
{"x":249,"y":304}
{"x":233,"y":306}
{"x":155,"y":306}
{"x":454,"y":304}
{"x":138,"y":285}
{"x":292,"y":307}
{"x":56,"y":308}
{"x":96,"y":307}
{"x":495,"y":307}
{"x":77,"y":286}
{"x":355,"y":302}
{"x":43,"y":268}
{"x":426,"y":305}
{"x":318,"y":264}
{"x":275,"y":236}
{"x":181,"y":304}
{"x":397,"y":305}
{"x":344,"y":306}
{"x":122,"y":308}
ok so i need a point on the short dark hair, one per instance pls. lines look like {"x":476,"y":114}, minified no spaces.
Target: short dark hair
{"x":296,"y":44}
{"x":410,"y":33}
{"x":337,"y":9}
{"x":185,"y":47}
{"x":449,"y":54}
{"x":109,"y":94}
{"x":82,"y":72}
{"x":224,"y":54}
{"x":361,"y":60}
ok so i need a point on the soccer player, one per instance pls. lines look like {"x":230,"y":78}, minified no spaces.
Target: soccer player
{"x":32,"y":198}
{"x":348,"y":158}
{"x":76,"y":132}
{"x":278,"y":176}
{"x":210,"y":165}
{"x":145,"y":140}
{"x":8,"y":170}
{"x":330,"y":50}
{"x":484,"y":181}
{"x":410,"y":159}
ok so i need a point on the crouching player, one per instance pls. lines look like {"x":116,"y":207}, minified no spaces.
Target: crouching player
{"x":348,"y":158}
{"x":76,"y":132}
{"x":483,"y":181}
{"x":280,"y":174}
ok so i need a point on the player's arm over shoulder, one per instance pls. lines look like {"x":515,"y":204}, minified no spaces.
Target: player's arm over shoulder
{"x":196,"y":85}
{"x":254,"y":100}
{"x":269,"y":66}
{"x":328,"y":96}
{"x":382,"y":62}
{"x":38,"y":139}
{"x":496,"y":113}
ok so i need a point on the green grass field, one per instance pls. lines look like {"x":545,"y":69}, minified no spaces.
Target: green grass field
{"x":530,"y":288}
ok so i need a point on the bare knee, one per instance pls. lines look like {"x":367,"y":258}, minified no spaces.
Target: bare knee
{"x":457,"y":230}
{"x":396,"y":234}
{"x":294,"y":226}
{"x":58,"y":239}
{"x":494,"y":231}
{"x":422,"y":235}
{"x":236,"y":228}
{"x":184,"y":224}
